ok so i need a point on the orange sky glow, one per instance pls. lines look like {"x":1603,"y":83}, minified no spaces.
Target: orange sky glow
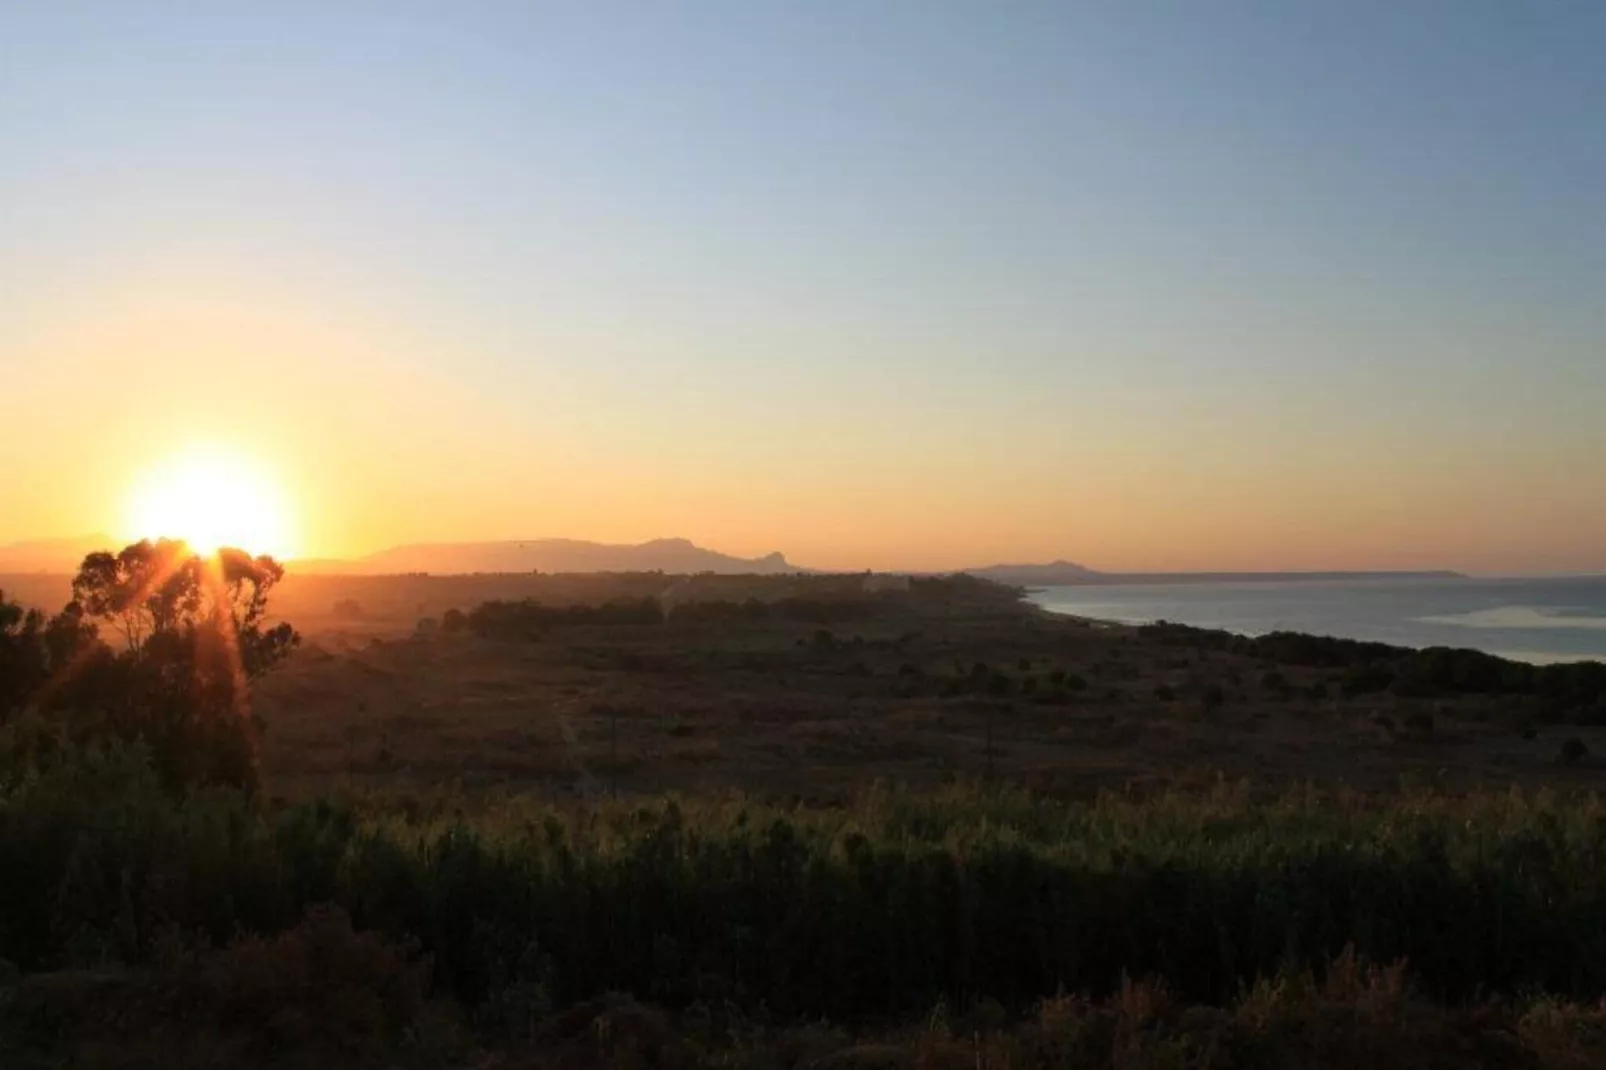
{"x":896,"y":287}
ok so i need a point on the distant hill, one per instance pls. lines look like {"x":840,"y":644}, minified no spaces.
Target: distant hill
{"x":548,"y":555}
{"x":52,"y":555}
{"x":1054,"y":574}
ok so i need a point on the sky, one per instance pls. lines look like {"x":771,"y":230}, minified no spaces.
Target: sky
{"x":915,"y":284}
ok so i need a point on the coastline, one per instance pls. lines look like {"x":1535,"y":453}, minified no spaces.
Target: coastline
{"x":1518,"y":631}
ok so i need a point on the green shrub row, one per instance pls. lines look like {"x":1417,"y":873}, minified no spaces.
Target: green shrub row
{"x":886,"y":906}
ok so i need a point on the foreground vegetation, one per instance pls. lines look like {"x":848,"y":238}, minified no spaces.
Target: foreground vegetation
{"x":323,"y":995}
{"x":984,"y":904}
{"x":159,"y":908}
{"x":884,"y":907}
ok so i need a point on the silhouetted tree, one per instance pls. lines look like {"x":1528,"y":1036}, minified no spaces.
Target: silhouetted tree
{"x":23,"y":658}
{"x":347,"y":609}
{"x":195,"y":633}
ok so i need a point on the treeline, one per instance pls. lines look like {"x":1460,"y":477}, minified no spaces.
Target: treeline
{"x":531,"y":619}
{"x":1574,"y":691}
{"x":839,"y":610}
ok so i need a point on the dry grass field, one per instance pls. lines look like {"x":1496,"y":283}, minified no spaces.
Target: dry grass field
{"x":797,"y":709}
{"x":970,"y":683}
{"x":957,"y":683}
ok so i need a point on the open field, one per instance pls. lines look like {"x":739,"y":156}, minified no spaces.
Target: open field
{"x":794,"y":708}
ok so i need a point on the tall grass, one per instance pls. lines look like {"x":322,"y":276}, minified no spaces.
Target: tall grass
{"x":889,"y":905}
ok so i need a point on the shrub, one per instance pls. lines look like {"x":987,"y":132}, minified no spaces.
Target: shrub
{"x":1366,"y":680}
{"x":530,"y":619}
{"x":1419,"y":726}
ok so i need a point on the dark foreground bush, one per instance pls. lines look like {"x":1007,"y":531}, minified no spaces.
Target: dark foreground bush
{"x":297,"y":1002}
{"x":888,"y":906}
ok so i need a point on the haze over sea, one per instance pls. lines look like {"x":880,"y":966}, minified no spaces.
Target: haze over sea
{"x":1536,"y":620}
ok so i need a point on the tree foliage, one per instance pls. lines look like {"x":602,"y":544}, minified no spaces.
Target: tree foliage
{"x":188,"y":633}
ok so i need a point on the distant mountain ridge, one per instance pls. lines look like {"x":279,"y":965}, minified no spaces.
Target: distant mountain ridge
{"x":52,"y":555}
{"x":548,"y":555}
{"x":63,"y":556}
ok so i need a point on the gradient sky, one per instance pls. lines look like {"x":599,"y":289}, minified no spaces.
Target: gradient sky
{"x":878,"y":284}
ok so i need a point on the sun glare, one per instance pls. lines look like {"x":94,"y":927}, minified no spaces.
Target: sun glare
{"x":211,"y":500}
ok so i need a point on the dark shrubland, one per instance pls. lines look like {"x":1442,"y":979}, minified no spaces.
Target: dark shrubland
{"x":531,"y":620}
{"x":1573,"y":691}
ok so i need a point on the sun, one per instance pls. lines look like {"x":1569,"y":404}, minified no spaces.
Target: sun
{"x":211,"y":499}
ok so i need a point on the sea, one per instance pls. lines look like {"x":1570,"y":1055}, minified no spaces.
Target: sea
{"x":1536,"y":620}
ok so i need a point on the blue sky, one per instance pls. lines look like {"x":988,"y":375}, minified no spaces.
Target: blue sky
{"x":1155,"y":285}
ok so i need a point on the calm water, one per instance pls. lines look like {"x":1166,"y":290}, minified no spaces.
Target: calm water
{"x":1534,"y":620}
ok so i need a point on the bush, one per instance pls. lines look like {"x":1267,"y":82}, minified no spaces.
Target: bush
{"x":347,"y":609}
{"x":1419,"y":726}
{"x":1366,"y":680}
{"x":530,"y":619}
